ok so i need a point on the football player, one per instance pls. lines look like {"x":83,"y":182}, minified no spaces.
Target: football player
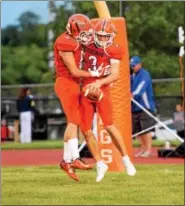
{"x":102,"y":55}
{"x":68,"y":59}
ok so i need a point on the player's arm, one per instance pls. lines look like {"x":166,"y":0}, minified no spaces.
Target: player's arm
{"x":115,"y":63}
{"x":68,"y":58}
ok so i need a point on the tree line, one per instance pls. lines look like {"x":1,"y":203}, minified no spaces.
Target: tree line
{"x":151,"y":27}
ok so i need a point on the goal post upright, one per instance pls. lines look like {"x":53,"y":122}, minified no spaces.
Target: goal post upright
{"x":102,"y":9}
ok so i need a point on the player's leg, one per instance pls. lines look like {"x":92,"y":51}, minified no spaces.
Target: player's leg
{"x":88,"y":110}
{"x":105,"y":110}
{"x":70,"y":136}
{"x":62,"y":90}
{"x":71,"y":105}
{"x":68,"y":92}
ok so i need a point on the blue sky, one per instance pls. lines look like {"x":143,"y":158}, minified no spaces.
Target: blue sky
{"x":11,"y":10}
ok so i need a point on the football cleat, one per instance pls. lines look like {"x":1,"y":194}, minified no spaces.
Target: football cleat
{"x":80,"y":164}
{"x":69,"y":170}
{"x":130,"y":169}
{"x":101,"y":170}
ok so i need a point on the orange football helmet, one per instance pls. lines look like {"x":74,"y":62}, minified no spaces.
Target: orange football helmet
{"x":79,"y":26}
{"x":104,"y":33}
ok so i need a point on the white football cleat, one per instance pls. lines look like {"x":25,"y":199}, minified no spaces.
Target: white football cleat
{"x":101,"y":170}
{"x":130,"y":169}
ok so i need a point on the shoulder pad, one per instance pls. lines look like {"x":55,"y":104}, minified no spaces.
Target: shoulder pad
{"x":66,"y":43}
{"x":115,"y":51}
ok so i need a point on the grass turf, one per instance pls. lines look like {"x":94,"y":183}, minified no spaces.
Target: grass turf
{"x":152,"y":185}
{"x":57,"y":144}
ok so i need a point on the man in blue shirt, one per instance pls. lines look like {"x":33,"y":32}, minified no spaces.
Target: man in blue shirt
{"x":142,"y":92}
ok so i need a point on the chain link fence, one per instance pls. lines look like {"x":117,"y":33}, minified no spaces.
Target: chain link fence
{"x":167,"y":95}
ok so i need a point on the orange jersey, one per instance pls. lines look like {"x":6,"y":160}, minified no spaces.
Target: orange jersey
{"x":66,"y":43}
{"x":94,"y":57}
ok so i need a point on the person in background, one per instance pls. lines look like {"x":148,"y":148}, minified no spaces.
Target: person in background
{"x":34,"y":111}
{"x":142,"y":92}
{"x":25,"y":106}
{"x":178,"y":119}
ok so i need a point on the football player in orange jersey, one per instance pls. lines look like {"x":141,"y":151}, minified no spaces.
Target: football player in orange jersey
{"x":104,"y":55}
{"x":67,"y":58}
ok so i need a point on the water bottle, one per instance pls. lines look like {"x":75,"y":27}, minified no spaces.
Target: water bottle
{"x":167,"y":145}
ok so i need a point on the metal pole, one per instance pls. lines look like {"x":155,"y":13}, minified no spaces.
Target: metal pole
{"x":82,"y":146}
{"x":157,"y":120}
{"x":181,"y":54}
{"x":51,"y":15}
{"x":120,"y":8}
{"x":145,"y":130}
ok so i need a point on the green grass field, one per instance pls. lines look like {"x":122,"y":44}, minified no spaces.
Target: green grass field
{"x":153,"y":185}
{"x":56,"y":144}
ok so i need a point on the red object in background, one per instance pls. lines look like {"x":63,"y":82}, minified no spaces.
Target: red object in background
{"x":4,"y":133}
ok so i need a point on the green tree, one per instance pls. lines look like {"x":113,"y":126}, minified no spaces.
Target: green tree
{"x":28,"y":31}
{"x":152,"y":33}
{"x":87,"y":8}
{"x":31,"y":31}
{"x":28,"y":19}
{"x":154,"y":25}
{"x":23,"y":65}
{"x":151,"y":28}
{"x":10,"y":36}
{"x":35,"y":35}
{"x":62,"y":15}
